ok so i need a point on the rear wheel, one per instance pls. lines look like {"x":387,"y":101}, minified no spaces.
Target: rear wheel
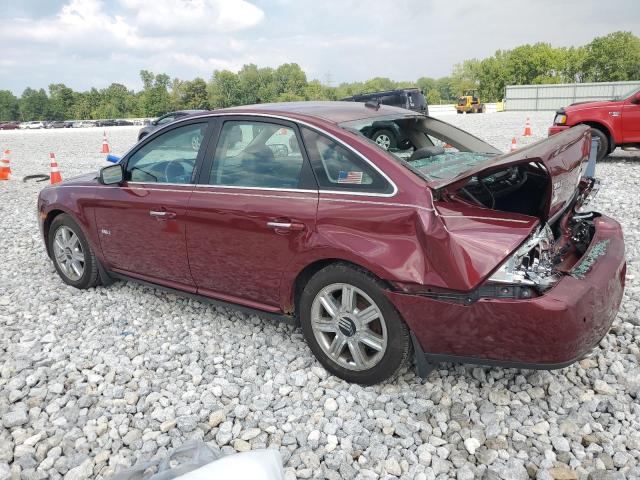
{"x":72,"y":256}
{"x":385,"y":138}
{"x":351,"y":327}
{"x":603,"y":146}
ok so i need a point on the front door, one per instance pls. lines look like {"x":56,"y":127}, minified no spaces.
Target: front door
{"x":141,"y":223}
{"x":252,"y":212}
{"x":631,"y":121}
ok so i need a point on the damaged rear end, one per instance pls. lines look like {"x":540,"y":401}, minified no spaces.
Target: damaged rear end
{"x":535,"y":279}
{"x":542,"y":184}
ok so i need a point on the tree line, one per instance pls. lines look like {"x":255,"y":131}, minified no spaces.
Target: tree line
{"x":613,"y":57}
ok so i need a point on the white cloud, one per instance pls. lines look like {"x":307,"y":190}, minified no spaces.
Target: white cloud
{"x":87,"y":43}
{"x":194,"y":16}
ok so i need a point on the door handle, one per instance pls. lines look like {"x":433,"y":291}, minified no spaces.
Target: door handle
{"x":162,"y":214}
{"x":292,"y":226}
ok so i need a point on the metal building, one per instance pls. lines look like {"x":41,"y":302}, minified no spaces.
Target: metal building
{"x":552,"y":97}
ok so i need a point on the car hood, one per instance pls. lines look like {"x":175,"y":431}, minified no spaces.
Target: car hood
{"x":563,"y":155}
{"x":590,"y":104}
{"x":84,"y":179}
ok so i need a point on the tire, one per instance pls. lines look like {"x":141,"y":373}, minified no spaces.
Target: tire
{"x":384,"y":328}
{"x":603,"y":147}
{"x":385,"y":139}
{"x":63,"y":257}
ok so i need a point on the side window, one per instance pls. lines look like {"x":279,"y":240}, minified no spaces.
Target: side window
{"x":257,"y":154}
{"x":168,"y":158}
{"x":167,"y":119}
{"x":338,"y":168}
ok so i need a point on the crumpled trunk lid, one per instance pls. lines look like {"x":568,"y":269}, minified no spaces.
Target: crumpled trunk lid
{"x":564,"y":156}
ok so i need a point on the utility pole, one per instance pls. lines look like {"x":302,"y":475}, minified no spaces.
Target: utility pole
{"x":328,"y":79}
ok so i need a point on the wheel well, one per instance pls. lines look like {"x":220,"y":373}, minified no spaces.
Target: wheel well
{"x":605,"y":130}
{"x":47,"y":224}
{"x":310,"y":270}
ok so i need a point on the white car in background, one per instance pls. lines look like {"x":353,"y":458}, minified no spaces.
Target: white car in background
{"x":33,"y":125}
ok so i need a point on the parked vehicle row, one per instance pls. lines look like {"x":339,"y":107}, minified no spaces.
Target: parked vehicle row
{"x":35,"y":125}
{"x":460,"y":255}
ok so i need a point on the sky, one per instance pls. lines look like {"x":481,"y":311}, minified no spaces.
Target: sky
{"x":93,"y":43}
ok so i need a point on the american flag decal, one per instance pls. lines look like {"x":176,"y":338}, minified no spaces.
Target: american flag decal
{"x":349,"y":177}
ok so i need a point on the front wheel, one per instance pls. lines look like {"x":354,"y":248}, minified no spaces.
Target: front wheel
{"x":72,"y":256}
{"x":351,"y":327}
{"x":603,"y":146}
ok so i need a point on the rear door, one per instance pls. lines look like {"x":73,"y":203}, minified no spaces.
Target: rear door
{"x":141,"y":223}
{"x":253,"y":211}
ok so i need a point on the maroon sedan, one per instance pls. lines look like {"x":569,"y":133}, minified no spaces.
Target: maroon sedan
{"x":448,"y":248}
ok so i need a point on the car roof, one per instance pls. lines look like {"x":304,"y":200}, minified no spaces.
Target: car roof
{"x":333,"y":112}
{"x":188,"y":112}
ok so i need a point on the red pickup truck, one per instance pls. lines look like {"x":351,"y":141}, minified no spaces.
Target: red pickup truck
{"x":615,"y":122}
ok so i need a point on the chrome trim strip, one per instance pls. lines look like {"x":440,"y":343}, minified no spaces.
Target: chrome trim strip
{"x":200,"y":186}
{"x":160,"y":184}
{"x":300,"y":122}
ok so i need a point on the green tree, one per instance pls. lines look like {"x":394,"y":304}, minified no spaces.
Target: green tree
{"x":195,"y":94}
{"x":61,"y":100}
{"x":34,"y":104}
{"x":614,"y":57}
{"x":224,"y":89}
{"x":290,"y":79}
{"x":154,"y":99}
{"x":9,"y":109}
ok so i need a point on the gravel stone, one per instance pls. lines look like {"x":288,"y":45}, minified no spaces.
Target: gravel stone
{"x":93,"y":381}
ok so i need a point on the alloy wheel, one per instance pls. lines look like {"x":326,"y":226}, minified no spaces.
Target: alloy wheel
{"x":384,"y":141}
{"x":349,"y":326}
{"x":68,"y":253}
{"x":196,"y":140}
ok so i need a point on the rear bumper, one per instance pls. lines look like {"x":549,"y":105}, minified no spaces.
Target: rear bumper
{"x":557,"y":129}
{"x":550,"y":331}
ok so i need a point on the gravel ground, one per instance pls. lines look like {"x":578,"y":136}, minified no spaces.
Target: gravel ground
{"x":91,"y":381}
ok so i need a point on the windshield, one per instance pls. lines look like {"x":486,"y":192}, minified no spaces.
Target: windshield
{"x":430,"y":148}
{"x":628,"y":94}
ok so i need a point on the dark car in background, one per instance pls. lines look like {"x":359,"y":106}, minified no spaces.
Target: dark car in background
{"x":165,"y":119}
{"x":466,"y":254}
{"x":386,"y":134}
{"x":9,"y":125}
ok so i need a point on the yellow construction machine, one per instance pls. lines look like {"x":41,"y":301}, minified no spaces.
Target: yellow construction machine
{"x":470,"y":103}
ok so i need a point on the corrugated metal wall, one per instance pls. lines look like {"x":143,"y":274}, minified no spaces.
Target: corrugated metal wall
{"x":552,"y":97}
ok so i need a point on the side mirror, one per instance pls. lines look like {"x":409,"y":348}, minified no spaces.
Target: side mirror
{"x":636,"y":98}
{"x":111,"y":175}
{"x":113,"y":158}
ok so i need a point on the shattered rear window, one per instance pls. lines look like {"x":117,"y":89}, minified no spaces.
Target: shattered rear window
{"x":448,"y":165}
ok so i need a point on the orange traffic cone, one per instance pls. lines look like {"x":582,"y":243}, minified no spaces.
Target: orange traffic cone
{"x":527,"y":128}
{"x":55,"y":173}
{"x":514,"y":146}
{"x":5,"y":169}
{"x":105,"y":143}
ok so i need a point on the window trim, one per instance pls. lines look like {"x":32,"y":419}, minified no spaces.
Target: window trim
{"x":166,"y":129}
{"x":307,"y":176}
{"x":214,"y":119}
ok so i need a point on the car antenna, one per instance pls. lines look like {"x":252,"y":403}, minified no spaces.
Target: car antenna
{"x":374,"y":104}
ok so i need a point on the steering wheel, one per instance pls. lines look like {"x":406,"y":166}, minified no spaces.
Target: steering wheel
{"x":173,"y":170}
